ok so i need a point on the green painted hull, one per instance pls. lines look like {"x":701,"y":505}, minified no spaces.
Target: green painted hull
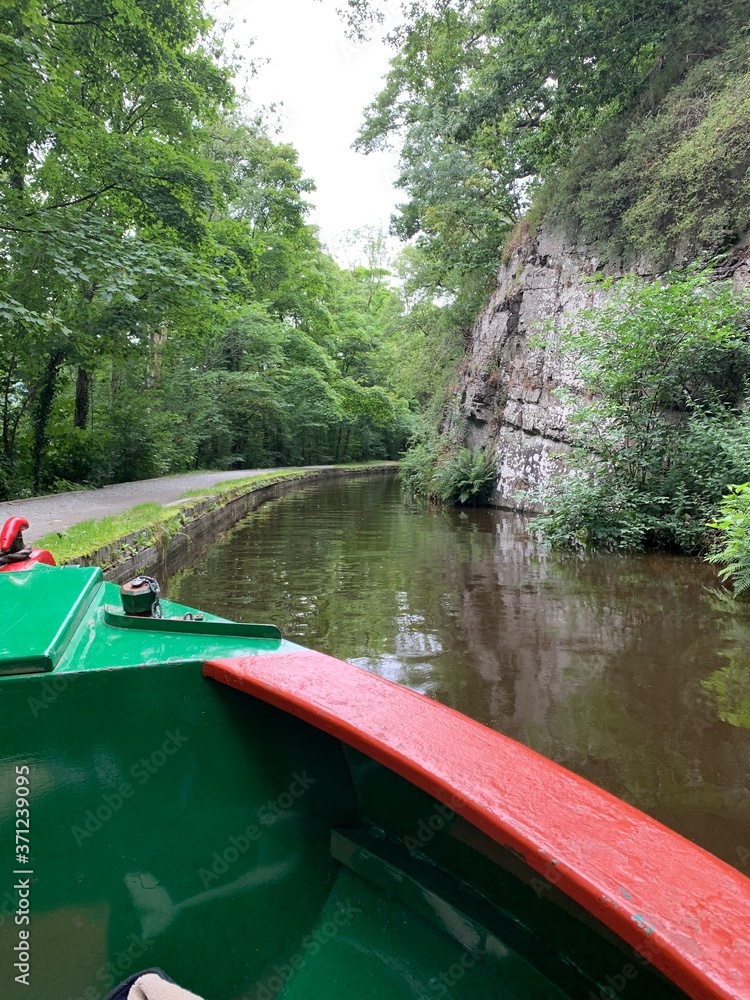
{"x":179,"y":823}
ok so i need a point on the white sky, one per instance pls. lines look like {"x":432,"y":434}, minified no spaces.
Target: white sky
{"x":323,"y":82}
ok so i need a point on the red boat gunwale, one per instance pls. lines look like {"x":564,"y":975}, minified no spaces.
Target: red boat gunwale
{"x":680,"y":907}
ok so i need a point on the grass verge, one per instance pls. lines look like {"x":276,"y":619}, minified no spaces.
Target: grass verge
{"x":88,"y":536}
{"x":239,"y":486}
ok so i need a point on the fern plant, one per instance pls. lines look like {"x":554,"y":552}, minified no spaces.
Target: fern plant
{"x":734,"y":530}
{"x":466,"y":478}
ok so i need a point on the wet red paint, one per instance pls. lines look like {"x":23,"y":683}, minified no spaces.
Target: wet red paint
{"x":36,"y":556}
{"x":683,"y":909}
{"x":9,"y":533}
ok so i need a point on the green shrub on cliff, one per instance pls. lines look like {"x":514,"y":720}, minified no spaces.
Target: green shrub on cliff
{"x":463,"y":477}
{"x":662,"y":366}
{"x":418,"y":468}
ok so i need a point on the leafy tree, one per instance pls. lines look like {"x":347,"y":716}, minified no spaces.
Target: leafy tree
{"x":102,"y":105}
{"x":487,"y":97}
{"x":164,"y":301}
{"x":667,"y":183}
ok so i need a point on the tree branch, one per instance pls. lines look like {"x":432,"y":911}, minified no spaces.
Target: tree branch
{"x":75,"y":201}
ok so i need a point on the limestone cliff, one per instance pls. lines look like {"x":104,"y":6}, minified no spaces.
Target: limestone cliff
{"x":508,"y":387}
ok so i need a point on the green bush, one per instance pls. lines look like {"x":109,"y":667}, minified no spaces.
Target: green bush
{"x":658,"y":435}
{"x":588,"y":510}
{"x":733,"y":527}
{"x":418,"y":468}
{"x":585,"y":512}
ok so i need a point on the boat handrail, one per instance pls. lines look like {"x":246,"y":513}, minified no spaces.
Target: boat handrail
{"x":681,"y":908}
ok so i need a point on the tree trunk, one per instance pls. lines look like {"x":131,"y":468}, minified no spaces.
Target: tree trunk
{"x":345,"y":449}
{"x":158,"y":340}
{"x":83,"y":399}
{"x":337,"y":448}
{"x":42,"y":414}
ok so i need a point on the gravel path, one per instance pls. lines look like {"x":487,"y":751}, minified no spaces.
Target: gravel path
{"x":56,"y":513}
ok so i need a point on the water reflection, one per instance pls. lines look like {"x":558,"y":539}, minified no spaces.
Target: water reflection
{"x":731,"y":683}
{"x":622,"y":669}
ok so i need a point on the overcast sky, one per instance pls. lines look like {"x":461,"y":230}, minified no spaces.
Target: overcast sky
{"x":323,"y":82}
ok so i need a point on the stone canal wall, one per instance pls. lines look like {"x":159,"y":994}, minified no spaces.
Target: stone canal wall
{"x":201,"y":521}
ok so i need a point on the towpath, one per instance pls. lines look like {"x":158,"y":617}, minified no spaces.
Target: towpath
{"x":59,"y":512}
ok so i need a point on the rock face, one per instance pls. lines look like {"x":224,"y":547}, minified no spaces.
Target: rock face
{"x":511,"y":390}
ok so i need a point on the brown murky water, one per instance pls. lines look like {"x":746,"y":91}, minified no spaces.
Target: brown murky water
{"x":629,"y":671}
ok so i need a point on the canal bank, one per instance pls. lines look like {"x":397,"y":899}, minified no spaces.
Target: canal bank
{"x":179,"y":532}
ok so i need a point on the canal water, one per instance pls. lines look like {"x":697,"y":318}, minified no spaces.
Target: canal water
{"x":632,"y":671}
